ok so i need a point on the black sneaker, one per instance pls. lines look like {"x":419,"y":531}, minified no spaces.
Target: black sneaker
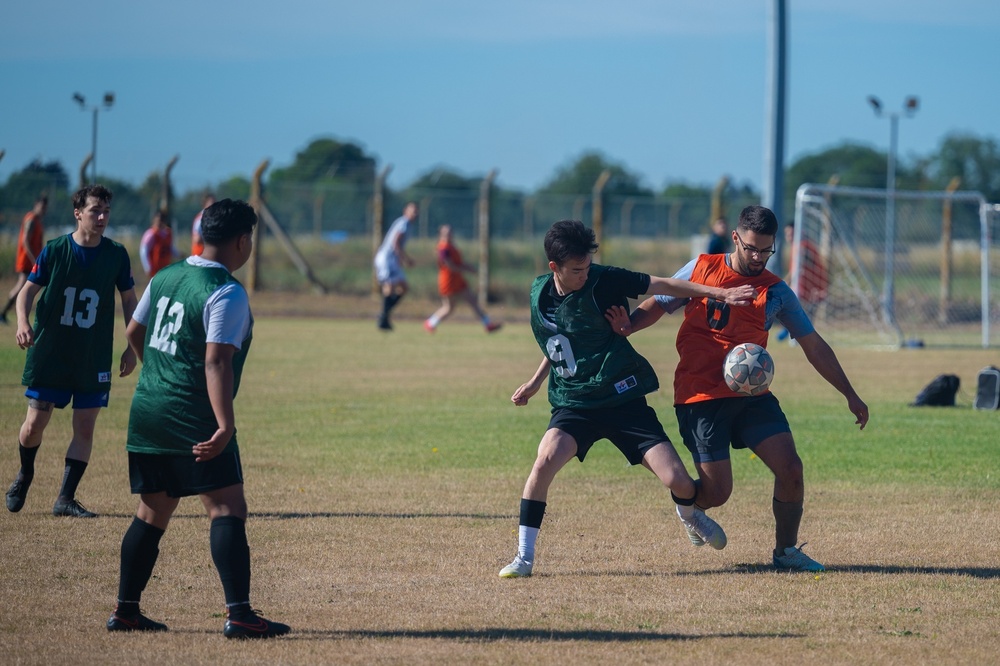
{"x":254,"y":627}
{"x":137,"y":622}
{"x":384,"y":324}
{"x":71,"y":508}
{"x":17,"y":493}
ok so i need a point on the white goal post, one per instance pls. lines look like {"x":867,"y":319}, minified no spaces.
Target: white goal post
{"x":913,"y":274}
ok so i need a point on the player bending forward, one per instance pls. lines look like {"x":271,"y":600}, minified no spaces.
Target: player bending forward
{"x":709,"y":415}
{"x":597,"y":381}
{"x":192,"y":331}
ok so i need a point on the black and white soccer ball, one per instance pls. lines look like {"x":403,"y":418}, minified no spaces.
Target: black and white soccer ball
{"x":748,"y":369}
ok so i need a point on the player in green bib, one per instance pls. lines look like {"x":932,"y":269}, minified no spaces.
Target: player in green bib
{"x":192,"y":331}
{"x":597,"y":382}
{"x":70,"y":345}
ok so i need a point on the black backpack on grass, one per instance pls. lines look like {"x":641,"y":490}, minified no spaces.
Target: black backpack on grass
{"x":939,"y":393}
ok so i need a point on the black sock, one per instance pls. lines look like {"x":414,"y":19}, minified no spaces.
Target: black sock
{"x":389,"y":302}
{"x":140,"y":548}
{"x":27,"y":460}
{"x":71,"y":478}
{"x":532,"y":512}
{"x":9,"y":305}
{"x":231,"y":554}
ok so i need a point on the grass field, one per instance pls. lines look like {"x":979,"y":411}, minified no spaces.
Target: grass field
{"x":383,"y":476}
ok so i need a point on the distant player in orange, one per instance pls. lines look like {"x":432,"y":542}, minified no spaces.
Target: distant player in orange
{"x":452,"y":284}
{"x":156,"y":249}
{"x":197,"y":244}
{"x":812,"y":285}
{"x":29,"y":244}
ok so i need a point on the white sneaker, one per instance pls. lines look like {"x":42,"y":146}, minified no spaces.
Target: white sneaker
{"x":517,"y":569}
{"x":701,"y":530}
{"x":795,"y":560}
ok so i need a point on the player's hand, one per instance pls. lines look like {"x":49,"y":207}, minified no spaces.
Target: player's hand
{"x":742,"y":295}
{"x":523,"y":393}
{"x":25,"y":336}
{"x":207,"y":450}
{"x":128,"y":362}
{"x":618,"y":317}
{"x":860,"y":411}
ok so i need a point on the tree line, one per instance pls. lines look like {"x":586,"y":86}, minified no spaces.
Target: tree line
{"x":328,"y":186}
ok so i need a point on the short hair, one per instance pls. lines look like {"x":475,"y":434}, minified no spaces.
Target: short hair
{"x":99,"y":192}
{"x":227,"y":219}
{"x":759,"y":220}
{"x":569,"y":239}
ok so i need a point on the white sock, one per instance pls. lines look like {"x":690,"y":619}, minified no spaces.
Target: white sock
{"x":433,"y":320}
{"x":526,"y":537}
{"x":685,"y":512}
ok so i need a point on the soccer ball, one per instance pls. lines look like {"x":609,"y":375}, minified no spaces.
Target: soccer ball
{"x":748,"y":369}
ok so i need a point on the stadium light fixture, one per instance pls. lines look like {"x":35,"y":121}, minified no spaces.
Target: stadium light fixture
{"x":910,"y":106}
{"x":109,"y":100}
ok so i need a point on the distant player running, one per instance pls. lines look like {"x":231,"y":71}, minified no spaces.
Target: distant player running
{"x":192,"y":331}
{"x":390,"y":259}
{"x":452,"y":284}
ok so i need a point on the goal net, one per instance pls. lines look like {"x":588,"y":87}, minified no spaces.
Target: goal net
{"x":914,"y":270}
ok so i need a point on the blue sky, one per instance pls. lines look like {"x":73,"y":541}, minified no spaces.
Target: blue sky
{"x":671,"y":89}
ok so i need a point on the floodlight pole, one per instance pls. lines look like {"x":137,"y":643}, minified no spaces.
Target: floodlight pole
{"x":109,"y":99}
{"x":888,"y":283}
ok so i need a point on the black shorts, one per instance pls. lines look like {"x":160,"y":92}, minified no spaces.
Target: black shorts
{"x":709,"y":427}
{"x":632,"y":427}
{"x":180,"y":475}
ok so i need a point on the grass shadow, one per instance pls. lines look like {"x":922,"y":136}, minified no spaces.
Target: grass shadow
{"x":986,"y":573}
{"x":531,"y":635}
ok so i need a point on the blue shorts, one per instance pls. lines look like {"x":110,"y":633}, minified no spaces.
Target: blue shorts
{"x":709,"y":427}
{"x":181,"y":475}
{"x":633,"y":428}
{"x":61,"y":398}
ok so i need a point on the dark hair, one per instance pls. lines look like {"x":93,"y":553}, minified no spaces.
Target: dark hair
{"x":569,"y":239}
{"x":99,"y":192}
{"x":42,"y":199}
{"x":227,"y":219}
{"x":759,"y":220}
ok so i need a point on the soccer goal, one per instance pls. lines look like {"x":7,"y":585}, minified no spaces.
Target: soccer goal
{"x":916,"y":270}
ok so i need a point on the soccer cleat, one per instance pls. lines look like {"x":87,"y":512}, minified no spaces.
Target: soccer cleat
{"x":137,"y":622}
{"x":428,"y":326}
{"x":71,"y":508}
{"x":701,"y":530}
{"x":384,"y":324}
{"x":493,"y":326}
{"x":254,"y":627}
{"x":794,"y":559}
{"x":17,"y":493}
{"x":519,"y":568}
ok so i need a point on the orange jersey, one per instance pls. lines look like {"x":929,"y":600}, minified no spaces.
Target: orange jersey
{"x":159,"y":249}
{"x":23,"y":263}
{"x":197,"y":244}
{"x":450,"y":281}
{"x":711,"y":328}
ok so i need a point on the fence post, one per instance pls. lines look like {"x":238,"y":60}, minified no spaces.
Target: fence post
{"x":944,"y":303}
{"x":485,"y":189}
{"x":597,"y":208}
{"x":256,"y":199}
{"x":166,"y":192}
{"x":378,"y":217}
{"x":718,"y":205}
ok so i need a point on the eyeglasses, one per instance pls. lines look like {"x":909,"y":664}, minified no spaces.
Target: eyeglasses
{"x":763,"y":254}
